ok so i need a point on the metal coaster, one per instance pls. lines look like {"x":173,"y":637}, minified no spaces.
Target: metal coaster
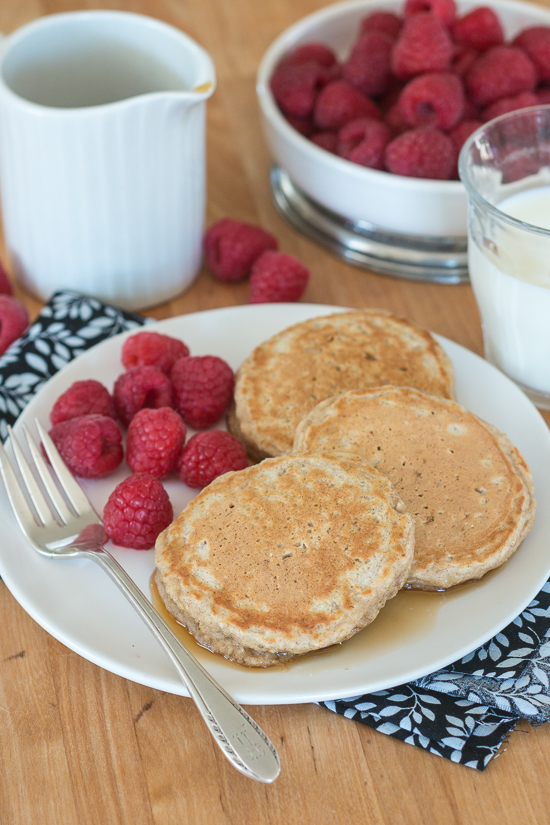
{"x":416,"y":257}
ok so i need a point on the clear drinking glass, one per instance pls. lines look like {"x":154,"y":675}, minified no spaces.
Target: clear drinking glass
{"x":505,"y":167}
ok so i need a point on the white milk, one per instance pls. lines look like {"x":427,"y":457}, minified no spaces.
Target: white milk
{"x":511,"y":280}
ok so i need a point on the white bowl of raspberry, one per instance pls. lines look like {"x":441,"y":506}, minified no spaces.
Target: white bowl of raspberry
{"x":321,"y":134}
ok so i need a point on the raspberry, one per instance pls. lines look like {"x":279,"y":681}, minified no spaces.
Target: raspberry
{"x":433,"y":99}
{"x":394,"y":119}
{"x":136,"y":512}
{"x":295,"y":87}
{"x":424,"y":45}
{"x":543,"y":95}
{"x":363,"y":141}
{"x":311,"y":53}
{"x":209,"y":455}
{"x":501,"y":71}
{"x":141,"y":387}
{"x":462,"y":60}
{"x":368,"y":67}
{"x":277,"y":277}
{"x":462,"y":131}
{"x":510,"y":104}
{"x":385,"y":22}
{"x":338,"y":103}
{"x":424,"y":152}
{"x":231,"y":247}
{"x":14,"y":320}
{"x":152,"y":349}
{"x":445,"y":10}
{"x":535,"y":41}
{"x":154,"y":441}
{"x":304,"y":125}
{"x":480,"y":29}
{"x":326,"y":140}
{"x":90,"y":445}
{"x":203,"y":388}
{"x":5,"y":283}
{"x":83,"y":398}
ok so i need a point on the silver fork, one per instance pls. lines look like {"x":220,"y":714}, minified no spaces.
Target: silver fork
{"x":57,"y":531}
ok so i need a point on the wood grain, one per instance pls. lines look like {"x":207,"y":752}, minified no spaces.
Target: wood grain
{"x":79,"y":745}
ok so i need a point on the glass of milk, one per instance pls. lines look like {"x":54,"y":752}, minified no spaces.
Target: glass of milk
{"x":505,"y":167}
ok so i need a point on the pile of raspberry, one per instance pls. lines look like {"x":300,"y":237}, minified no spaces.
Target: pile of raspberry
{"x":163,"y":393}
{"x":413,"y":87}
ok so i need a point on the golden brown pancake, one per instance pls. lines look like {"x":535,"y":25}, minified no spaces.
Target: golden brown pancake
{"x":468,"y":488}
{"x":286,"y":376}
{"x":288,"y":556}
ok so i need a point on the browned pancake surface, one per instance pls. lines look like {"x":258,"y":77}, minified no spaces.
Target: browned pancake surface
{"x":468,"y":488}
{"x":293,"y":371}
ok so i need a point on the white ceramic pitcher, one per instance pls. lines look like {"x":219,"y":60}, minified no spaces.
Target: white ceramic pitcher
{"x":102,"y":155}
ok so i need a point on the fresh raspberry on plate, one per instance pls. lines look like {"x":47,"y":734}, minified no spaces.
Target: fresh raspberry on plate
{"x":136,"y":512}
{"x":231,"y":247}
{"x":154,"y":441}
{"x":338,"y":103}
{"x":445,"y":10}
{"x":141,"y":387}
{"x":208,"y":455}
{"x":501,"y":71}
{"x":433,"y":99}
{"x":509,"y":104}
{"x":424,"y":152}
{"x":479,"y":28}
{"x":83,"y":398}
{"x":90,"y":445}
{"x":368,"y":66}
{"x":203,"y":388}
{"x":295,"y":86}
{"x":152,"y":349}
{"x":424,"y":45}
{"x":14,"y":320}
{"x":535,"y":41}
{"x":386,"y":22}
{"x":277,"y":277}
{"x":363,"y":141}
{"x":312,"y":52}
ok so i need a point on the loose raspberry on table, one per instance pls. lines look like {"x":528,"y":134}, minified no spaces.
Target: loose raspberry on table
{"x":445,"y":10}
{"x":424,"y":45}
{"x":311,"y":52}
{"x":277,"y":277}
{"x":479,"y":28}
{"x":509,"y":104}
{"x":14,"y":320}
{"x":209,"y":455}
{"x":433,"y":99}
{"x":137,"y":511}
{"x":386,"y":22}
{"x":83,"y":398}
{"x":338,"y":103}
{"x":231,"y":247}
{"x":203,"y":388}
{"x":295,"y":86}
{"x":5,"y":283}
{"x":501,"y":71}
{"x":141,"y":387}
{"x":152,"y":349}
{"x":368,"y":67}
{"x":424,"y":152}
{"x":363,"y":141}
{"x":535,"y":41}
{"x":154,"y":441}
{"x":90,"y":445}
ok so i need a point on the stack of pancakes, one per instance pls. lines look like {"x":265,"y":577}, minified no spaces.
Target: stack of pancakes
{"x":361,"y":446}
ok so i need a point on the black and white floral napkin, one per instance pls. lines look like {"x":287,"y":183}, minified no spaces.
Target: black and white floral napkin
{"x":463,"y":712}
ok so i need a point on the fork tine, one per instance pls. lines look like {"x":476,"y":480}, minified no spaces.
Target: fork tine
{"x":47,"y":480}
{"x":35,"y":493}
{"x":19,"y":503}
{"x":71,"y":487}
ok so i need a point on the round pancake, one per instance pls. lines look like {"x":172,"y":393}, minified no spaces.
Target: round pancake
{"x":288,"y":556}
{"x":468,"y":488}
{"x":286,"y":376}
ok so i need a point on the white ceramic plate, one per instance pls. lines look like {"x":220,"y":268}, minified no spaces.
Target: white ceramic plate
{"x":414,"y":635}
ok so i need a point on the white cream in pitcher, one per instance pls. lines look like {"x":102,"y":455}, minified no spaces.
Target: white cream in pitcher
{"x":510,"y":276}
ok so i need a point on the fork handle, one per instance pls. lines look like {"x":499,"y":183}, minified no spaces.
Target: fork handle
{"x":244,"y":743}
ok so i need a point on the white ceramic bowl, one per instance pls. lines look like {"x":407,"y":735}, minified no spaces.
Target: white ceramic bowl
{"x":409,"y":206}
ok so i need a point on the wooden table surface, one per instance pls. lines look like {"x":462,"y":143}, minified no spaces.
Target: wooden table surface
{"x":80,"y":745}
